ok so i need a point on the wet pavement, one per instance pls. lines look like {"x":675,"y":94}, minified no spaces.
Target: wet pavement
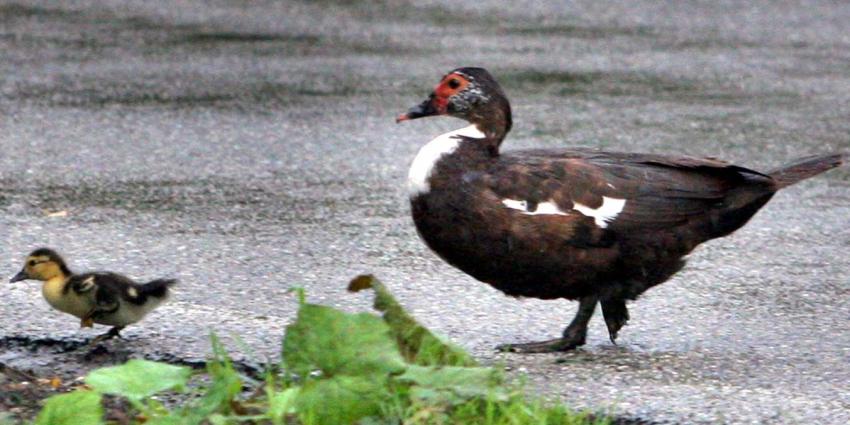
{"x":247,"y":150}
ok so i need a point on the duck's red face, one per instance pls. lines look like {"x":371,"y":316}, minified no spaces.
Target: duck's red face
{"x":443,"y":100}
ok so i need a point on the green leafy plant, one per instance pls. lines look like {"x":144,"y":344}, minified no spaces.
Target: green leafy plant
{"x":337,"y":368}
{"x":138,"y":379}
{"x":416,"y":342}
{"x":75,"y":408}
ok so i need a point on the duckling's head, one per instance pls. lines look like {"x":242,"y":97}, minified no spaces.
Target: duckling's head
{"x":42,"y":264}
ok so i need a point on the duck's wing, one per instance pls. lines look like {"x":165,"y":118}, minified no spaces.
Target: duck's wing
{"x":610,"y":196}
{"x":105,"y":290}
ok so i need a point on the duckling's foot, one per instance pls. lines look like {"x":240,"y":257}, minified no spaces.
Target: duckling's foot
{"x":87,"y":321}
{"x":112,"y":333}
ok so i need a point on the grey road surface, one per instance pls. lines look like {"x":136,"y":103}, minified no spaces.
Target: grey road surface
{"x":249,"y":147}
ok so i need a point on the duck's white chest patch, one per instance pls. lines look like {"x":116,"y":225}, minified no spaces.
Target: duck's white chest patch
{"x":608,"y":211}
{"x":423,"y":164}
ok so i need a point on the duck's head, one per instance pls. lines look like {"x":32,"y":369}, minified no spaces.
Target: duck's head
{"x":471,"y":94}
{"x":42,"y":264}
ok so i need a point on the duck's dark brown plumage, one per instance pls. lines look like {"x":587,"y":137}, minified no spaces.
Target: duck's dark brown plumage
{"x":578,"y":224}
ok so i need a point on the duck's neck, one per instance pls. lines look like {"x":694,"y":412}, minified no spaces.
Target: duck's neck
{"x":494,"y":122}
{"x":429,"y":155}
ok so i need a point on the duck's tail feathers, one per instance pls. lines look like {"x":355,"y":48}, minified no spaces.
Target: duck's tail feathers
{"x":157,"y":288}
{"x":804,"y":168}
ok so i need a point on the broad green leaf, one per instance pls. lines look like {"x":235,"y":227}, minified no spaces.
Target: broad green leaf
{"x":218,"y":419}
{"x":416,"y":342}
{"x":138,"y":379}
{"x":173,"y":418}
{"x":462,"y":382}
{"x":74,"y":408}
{"x":341,"y":399}
{"x":281,"y":404}
{"x":339,"y":343}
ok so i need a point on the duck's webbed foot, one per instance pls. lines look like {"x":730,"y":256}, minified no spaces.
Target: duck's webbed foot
{"x":112,"y":333}
{"x":548,"y":346}
{"x":574,"y":335}
{"x":616,"y":315}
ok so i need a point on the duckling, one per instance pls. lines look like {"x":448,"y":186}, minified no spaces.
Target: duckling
{"x":96,"y":297}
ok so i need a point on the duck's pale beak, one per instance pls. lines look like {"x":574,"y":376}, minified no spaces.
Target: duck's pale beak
{"x":22,"y":275}
{"x":424,"y":109}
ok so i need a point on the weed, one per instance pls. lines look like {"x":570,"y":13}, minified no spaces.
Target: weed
{"x":337,"y":368}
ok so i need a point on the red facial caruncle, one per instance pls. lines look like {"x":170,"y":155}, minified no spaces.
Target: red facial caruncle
{"x":438,"y":102}
{"x":450,"y":85}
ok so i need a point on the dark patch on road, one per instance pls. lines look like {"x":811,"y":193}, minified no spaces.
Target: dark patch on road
{"x":44,"y":356}
{"x":280,"y":44}
{"x":580,"y":31}
{"x":156,"y":195}
{"x":229,"y":94}
{"x":406,"y":11}
{"x":702,"y":44}
{"x":98,"y":35}
{"x":212,"y":205}
{"x":635,"y":84}
{"x":237,"y":37}
{"x":127,"y":96}
{"x":14,"y":11}
{"x":155,"y":37}
{"x":34,"y":368}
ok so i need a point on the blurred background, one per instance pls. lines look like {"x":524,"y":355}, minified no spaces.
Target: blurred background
{"x":246,"y":147}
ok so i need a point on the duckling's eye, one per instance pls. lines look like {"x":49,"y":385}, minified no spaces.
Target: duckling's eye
{"x":31,"y":263}
{"x":454,"y":83}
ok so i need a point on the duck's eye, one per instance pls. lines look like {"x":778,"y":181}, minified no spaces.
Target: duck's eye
{"x":454,"y":83}
{"x":31,"y":263}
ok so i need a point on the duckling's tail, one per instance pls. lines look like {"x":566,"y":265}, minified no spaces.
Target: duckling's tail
{"x":157,"y":288}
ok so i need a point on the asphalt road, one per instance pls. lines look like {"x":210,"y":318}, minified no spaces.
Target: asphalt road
{"x":248,"y":149}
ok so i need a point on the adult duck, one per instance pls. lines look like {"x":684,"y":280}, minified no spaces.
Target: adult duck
{"x":586,"y":225}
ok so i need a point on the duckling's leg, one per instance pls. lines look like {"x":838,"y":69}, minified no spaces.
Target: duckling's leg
{"x":112,"y":333}
{"x":87,"y":321}
{"x":574,"y":334}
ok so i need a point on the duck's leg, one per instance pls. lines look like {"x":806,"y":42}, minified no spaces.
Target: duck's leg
{"x":574,"y":334}
{"x":616,"y":315}
{"x":112,"y":333}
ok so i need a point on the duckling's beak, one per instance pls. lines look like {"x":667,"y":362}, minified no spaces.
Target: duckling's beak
{"x":424,"y":109}
{"x":22,"y":275}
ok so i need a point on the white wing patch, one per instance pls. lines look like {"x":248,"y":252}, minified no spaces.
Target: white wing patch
{"x":87,"y":284}
{"x":543,"y":208}
{"x":607,"y":212}
{"x":423,"y":164}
